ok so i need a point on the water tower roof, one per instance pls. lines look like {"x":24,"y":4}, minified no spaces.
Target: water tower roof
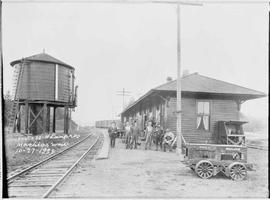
{"x":42,"y":57}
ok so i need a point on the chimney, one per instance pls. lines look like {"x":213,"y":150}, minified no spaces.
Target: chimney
{"x":168,"y":79}
{"x":185,"y":73}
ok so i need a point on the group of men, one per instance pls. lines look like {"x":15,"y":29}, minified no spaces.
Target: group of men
{"x":132,"y":133}
{"x":153,"y":133}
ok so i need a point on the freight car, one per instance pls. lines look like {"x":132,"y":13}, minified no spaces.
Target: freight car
{"x":107,"y":123}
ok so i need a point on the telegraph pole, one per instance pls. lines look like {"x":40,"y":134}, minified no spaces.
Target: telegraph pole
{"x":178,"y":94}
{"x":123,"y":93}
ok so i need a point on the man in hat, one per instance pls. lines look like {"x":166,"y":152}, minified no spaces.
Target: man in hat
{"x":135,"y":134}
{"x":112,"y":133}
{"x":148,"y":134}
{"x":128,"y":135}
{"x":158,"y":136}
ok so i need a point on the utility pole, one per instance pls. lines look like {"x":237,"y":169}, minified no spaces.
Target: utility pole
{"x":178,"y":94}
{"x":123,"y":93}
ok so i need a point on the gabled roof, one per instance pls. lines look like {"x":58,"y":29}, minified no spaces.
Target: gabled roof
{"x":42,"y":57}
{"x":196,"y":83}
{"x":202,"y":84}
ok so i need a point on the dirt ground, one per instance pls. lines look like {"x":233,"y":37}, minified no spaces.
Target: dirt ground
{"x":145,"y":174}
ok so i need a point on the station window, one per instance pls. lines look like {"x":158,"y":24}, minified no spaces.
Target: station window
{"x":203,"y":115}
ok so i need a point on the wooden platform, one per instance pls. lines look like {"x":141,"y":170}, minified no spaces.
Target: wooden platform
{"x":104,"y":152}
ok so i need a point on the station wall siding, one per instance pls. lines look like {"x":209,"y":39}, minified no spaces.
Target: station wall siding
{"x":219,"y":110}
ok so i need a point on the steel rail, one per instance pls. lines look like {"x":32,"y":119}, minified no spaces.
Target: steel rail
{"x":257,"y":147}
{"x":69,"y":170}
{"x":46,"y":159}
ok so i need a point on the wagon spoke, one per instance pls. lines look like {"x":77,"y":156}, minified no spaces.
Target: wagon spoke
{"x":209,"y":173}
{"x":242,"y":169}
{"x":204,"y":175}
{"x":237,"y":171}
{"x":200,"y":174}
{"x":242,"y":172}
{"x":204,"y":169}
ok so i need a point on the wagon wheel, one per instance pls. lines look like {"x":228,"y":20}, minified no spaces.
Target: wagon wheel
{"x":238,"y":171}
{"x":204,"y":169}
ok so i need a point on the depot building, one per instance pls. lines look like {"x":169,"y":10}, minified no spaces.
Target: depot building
{"x":205,"y":101}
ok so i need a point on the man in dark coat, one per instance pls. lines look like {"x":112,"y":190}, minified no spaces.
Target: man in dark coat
{"x":112,"y":133}
{"x":158,"y":135}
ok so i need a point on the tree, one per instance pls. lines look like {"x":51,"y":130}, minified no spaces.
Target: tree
{"x":7,"y":106}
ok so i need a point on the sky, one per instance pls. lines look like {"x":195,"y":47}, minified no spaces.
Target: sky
{"x":133,"y":46}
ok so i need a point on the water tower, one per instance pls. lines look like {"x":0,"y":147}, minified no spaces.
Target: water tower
{"x":43,"y":83}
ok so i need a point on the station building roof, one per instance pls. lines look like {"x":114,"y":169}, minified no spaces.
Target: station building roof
{"x":42,"y":57}
{"x":203,"y":85}
{"x":199,"y":83}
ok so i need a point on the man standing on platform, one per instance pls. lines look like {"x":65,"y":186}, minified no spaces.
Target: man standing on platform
{"x":128,"y":135}
{"x":112,"y":133}
{"x":148,"y":134}
{"x":135,"y":134}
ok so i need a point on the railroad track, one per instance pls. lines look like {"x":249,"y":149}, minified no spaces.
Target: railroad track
{"x":258,"y":147}
{"x":41,"y":179}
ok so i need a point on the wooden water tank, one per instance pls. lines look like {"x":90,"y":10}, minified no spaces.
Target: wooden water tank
{"x":44,"y":84}
{"x":45,"y":78}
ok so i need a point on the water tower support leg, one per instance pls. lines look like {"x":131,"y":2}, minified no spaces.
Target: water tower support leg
{"x":44,"y":118}
{"x":53,"y":127}
{"x":66,"y":120}
{"x":69,"y":119}
{"x":48,"y":119}
{"x":26,"y":117}
{"x":68,"y":111}
{"x":19,"y":120}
